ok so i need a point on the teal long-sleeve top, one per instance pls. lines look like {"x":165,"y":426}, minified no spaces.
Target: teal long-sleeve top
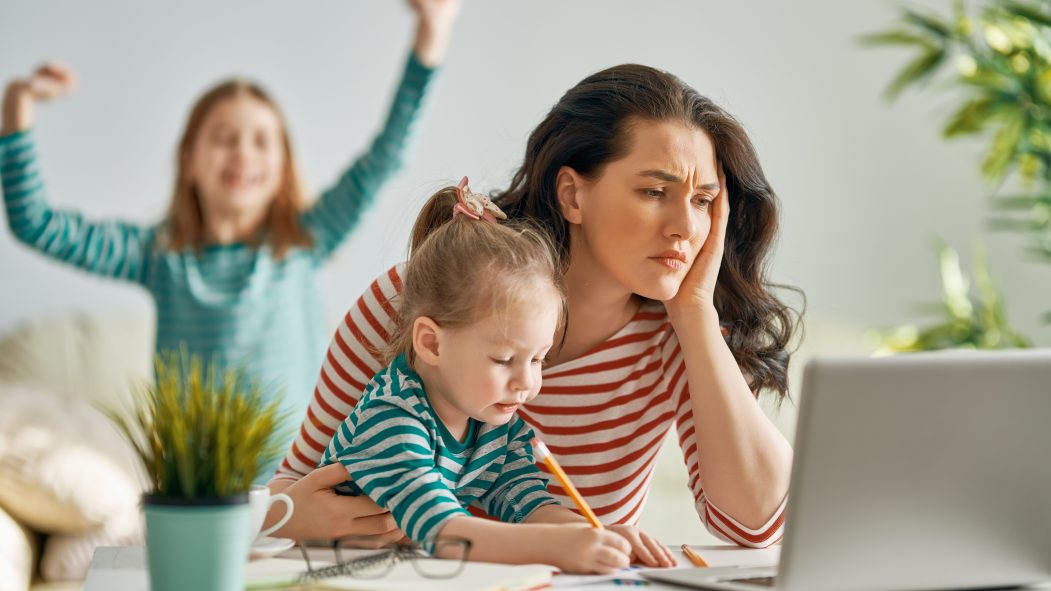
{"x":236,"y":304}
{"x":397,"y":450}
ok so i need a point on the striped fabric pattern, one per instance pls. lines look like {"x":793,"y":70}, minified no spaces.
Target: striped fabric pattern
{"x":397,"y":451}
{"x":603,"y":415}
{"x":233,"y":304}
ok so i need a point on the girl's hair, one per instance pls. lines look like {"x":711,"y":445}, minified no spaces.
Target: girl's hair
{"x":590,"y":127}
{"x":462,"y":270}
{"x":185,"y":222}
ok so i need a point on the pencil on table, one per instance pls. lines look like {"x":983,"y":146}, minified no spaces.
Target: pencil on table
{"x":692,"y":556}
{"x":544,"y":455}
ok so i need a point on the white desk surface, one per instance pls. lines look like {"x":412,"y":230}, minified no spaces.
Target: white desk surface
{"x":124,"y":568}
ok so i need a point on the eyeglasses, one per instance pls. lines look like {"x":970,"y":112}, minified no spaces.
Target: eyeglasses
{"x":373,"y":560}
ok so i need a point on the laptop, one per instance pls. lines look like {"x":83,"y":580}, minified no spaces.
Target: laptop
{"x":918,"y":471}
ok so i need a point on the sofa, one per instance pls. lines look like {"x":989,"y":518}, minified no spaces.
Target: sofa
{"x":68,"y":480}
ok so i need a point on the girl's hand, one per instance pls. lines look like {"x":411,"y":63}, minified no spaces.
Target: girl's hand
{"x":697,"y":291}
{"x":321,"y":514}
{"x":644,"y":547}
{"x":582,"y":549}
{"x":51,"y":80}
{"x":434,"y":28}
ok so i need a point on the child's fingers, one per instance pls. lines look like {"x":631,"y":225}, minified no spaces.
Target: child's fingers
{"x":57,"y":70}
{"x":671,"y":557}
{"x":661,"y":555}
{"x":44,"y":87}
{"x":641,"y":549}
{"x":612,"y":558}
{"x":52,"y":79}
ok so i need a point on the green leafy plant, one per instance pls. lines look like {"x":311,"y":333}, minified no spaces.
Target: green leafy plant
{"x":199,"y":434}
{"x":975,"y":320}
{"x":999,"y":59}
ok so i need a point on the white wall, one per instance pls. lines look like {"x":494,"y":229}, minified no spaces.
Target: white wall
{"x":865,"y":186}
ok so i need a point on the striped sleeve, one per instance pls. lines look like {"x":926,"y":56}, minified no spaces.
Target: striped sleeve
{"x":719,"y":523}
{"x":520,"y":488}
{"x":339,"y":209}
{"x":351,"y":361}
{"x":112,"y":249}
{"x":389,"y":453}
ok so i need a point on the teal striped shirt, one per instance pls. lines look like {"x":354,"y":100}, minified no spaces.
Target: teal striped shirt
{"x":398,"y":452}
{"x":235,"y":304}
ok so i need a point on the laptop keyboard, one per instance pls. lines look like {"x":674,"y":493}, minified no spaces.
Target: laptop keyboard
{"x":760,"y":581}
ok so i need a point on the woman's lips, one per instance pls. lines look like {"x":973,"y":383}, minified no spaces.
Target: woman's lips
{"x":672,"y":259}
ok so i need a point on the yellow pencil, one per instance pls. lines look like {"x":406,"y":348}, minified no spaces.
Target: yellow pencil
{"x":543,"y":454}
{"x":693,"y":556}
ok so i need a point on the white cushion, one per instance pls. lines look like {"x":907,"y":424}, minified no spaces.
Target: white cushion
{"x":17,"y":547}
{"x":63,"y":467}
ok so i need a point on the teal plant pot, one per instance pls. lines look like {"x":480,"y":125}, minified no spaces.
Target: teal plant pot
{"x":198,"y":544}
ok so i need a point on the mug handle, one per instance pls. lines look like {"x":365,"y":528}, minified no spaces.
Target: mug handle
{"x":287,"y":500}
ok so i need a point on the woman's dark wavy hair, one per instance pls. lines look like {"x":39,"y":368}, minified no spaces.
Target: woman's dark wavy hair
{"x":590,"y":127}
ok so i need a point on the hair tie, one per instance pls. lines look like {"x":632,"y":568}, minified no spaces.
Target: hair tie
{"x":475,"y":205}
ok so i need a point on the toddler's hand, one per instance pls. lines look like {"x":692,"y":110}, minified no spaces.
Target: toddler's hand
{"x":585,"y":550}
{"x":644,"y":547}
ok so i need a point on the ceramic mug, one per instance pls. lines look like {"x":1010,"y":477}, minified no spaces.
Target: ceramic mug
{"x":260,"y":500}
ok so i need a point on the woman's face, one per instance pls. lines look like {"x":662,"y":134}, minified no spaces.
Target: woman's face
{"x":643,"y":220}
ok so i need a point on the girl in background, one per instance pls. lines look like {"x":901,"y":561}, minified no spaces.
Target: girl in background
{"x":233,"y":267}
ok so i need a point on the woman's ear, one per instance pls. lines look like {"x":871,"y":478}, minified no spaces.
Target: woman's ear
{"x":568,"y":188}
{"x":426,"y":335}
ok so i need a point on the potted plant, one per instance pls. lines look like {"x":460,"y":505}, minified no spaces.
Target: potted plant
{"x":999,"y":60}
{"x":202,"y":437}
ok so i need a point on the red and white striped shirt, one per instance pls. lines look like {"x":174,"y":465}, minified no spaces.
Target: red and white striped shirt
{"x":603,"y":415}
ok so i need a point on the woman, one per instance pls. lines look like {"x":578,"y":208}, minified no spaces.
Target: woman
{"x":664,"y":221}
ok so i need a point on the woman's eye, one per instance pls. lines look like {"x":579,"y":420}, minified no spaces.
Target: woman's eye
{"x":500,"y":361}
{"x":540,"y":361}
{"x":703,"y":202}
{"x":653,"y":193}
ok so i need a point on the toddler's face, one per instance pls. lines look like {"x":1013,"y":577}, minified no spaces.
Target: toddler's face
{"x":238,"y":157}
{"x":492,"y":367}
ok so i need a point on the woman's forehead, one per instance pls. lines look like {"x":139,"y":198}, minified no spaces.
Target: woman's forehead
{"x":672,"y":147}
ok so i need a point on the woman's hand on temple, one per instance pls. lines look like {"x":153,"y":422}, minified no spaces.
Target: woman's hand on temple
{"x":697,"y":291}
{"x":321,"y":514}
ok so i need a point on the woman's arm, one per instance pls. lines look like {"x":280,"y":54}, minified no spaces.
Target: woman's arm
{"x":348,"y":366}
{"x":743,"y":460}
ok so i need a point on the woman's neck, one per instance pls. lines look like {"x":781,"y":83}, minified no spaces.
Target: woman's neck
{"x":598,"y":307}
